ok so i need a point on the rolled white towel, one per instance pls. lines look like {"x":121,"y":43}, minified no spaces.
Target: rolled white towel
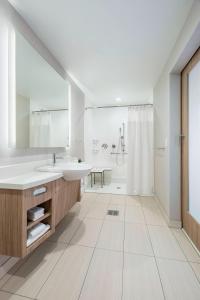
{"x":36,"y":230}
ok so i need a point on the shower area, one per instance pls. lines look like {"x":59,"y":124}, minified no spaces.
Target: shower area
{"x":119,"y":146}
{"x":106,"y":147}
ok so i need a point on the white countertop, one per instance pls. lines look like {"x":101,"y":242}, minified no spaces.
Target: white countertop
{"x":28,"y":180}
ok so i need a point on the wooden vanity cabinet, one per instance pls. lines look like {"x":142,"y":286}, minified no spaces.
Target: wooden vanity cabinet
{"x":67,"y":194}
{"x":58,"y":198}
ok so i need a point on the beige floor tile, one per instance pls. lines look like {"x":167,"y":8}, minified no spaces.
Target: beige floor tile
{"x":104,"y":278}
{"x":148,"y":201}
{"x":137,"y":239}
{"x":196,"y":269}
{"x":164,"y":243}
{"x":153,"y":216}
{"x":66,"y":280}
{"x":132,"y":200}
{"x":13,"y":270}
{"x":118,"y":199}
{"x":88,"y":233}
{"x":97,"y":211}
{"x":66,"y":229}
{"x":7,"y":296}
{"x":103,"y":198}
{"x":111,"y":236}
{"x":186,"y":246}
{"x":141,"y":279}
{"x":28,"y":280}
{"x":134,"y":214}
{"x":79,"y":210}
{"x":88,"y":197}
{"x":178,"y":279}
{"x":121,"y":210}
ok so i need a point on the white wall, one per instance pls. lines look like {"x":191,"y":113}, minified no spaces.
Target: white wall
{"x":103,"y":126}
{"x":167,"y":118}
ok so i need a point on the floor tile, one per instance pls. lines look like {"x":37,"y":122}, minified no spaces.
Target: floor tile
{"x":148,"y":201}
{"x":66,"y":229}
{"x":137,"y":239}
{"x":67,"y":278}
{"x":118,"y":199}
{"x":132,"y":200}
{"x":104,"y":278}
{"x":196,"y":269}
{"x":88,"y":233}
{"x":88,"y":197}
{"x":164,"y":243}
{"x":134,"y":214}
{"x":28,"y":280}
{"x":121,"y":210}
{"x":7,"y":296}
{"x":178,"y":279}
{"x":79,"y":210}
{"x":141,"y":279}
{"x":97,"y":211}
{"x":103,"y":198}
{"x":186,"y":246}
{"x":111,"y":236}
{"x":153,"y":216}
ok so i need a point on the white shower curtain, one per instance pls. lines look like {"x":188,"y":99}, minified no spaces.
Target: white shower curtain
{"x":40,"y":129}
{"x":140,"y":150}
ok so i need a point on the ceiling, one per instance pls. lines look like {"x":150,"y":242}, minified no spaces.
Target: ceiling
{"x":115,"y":48}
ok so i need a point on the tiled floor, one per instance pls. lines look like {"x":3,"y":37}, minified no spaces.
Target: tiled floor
{"x":93,"y":256}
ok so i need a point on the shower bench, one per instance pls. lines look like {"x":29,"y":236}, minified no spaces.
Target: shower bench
{"x":99,"y":171}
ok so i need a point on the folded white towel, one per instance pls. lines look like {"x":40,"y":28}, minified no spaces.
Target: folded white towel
{"x":32,"y":240}
{"x":36,"y":230}
{"x":35,"y":216}
{"x":35,"y":210}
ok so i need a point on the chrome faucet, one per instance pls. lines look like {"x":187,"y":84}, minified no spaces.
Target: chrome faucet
{"x":54,"y":158}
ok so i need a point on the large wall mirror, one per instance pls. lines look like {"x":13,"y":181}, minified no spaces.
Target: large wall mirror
{"x":42,"y":115}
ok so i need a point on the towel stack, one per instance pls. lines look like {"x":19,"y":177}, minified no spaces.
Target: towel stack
{"x":36,"y":232}
{"x":35,"y":213}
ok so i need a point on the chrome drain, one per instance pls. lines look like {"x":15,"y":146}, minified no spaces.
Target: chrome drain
{"x":112,"y":212}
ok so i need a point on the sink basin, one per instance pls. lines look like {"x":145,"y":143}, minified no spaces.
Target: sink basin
{"x":70,"y":171}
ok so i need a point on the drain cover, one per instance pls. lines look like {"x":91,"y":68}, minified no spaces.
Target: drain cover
{"x":118,"y":187}
{"x":113,"y":212}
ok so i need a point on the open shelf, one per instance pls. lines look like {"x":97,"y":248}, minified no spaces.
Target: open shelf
{"x":33,"y":223}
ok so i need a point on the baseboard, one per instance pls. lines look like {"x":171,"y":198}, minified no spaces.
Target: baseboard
{"x":7,"y":266}
{"x":193,"y":245}
{"x":170,"y":223}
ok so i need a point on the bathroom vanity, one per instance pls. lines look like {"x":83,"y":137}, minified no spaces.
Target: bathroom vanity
{"x":19,"y":195}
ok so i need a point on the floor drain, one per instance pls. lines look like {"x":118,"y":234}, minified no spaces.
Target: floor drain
{"x":113,"y":212}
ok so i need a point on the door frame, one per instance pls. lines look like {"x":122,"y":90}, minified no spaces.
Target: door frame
{"x":189,"y":224}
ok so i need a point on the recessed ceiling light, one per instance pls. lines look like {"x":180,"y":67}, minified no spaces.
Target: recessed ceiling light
{"x":118,"y":99}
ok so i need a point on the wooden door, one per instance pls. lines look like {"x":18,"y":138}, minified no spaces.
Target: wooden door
{"x":190,"y":148}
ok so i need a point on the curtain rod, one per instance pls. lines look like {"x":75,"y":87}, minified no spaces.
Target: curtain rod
{"x":49,"y":110}
{"x":115,"y":106}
